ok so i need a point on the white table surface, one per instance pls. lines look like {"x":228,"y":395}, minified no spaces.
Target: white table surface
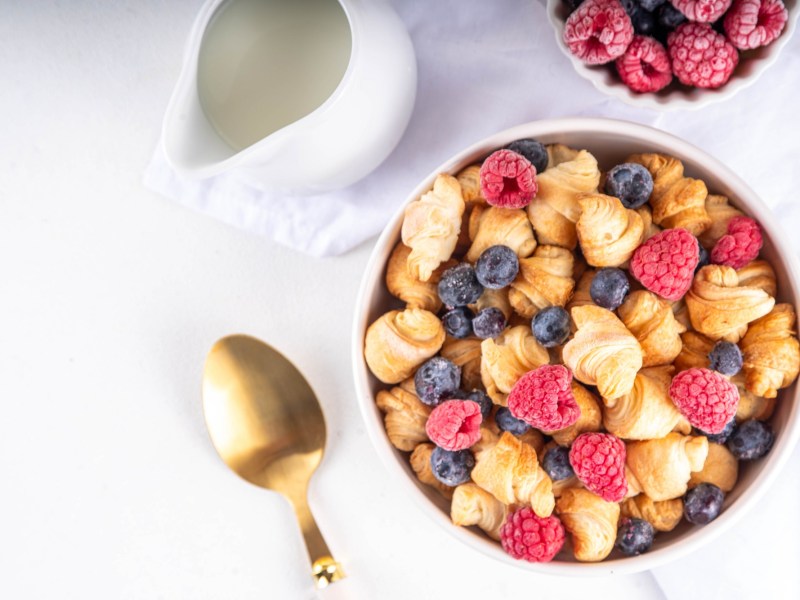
{"x":112,"y":297}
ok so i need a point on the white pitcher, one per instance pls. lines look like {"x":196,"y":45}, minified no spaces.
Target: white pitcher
{"x":340,"y":142}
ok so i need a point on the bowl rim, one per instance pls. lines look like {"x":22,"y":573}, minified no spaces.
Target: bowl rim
{"x":389,"y":456}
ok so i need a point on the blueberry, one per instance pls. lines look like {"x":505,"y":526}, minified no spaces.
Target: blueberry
{"x":631,"y":183}
{"x":459,"y":286}
{"x":752,"y":439}
{"x":634,"y":536}
{"x":644,"y":22}
{"x":609,"y":287}
{"x":489,"y":323}
{"x":483,"y":401}
{"x":452,"y":468}
{"x":726,"y":358}
{"x":651,"y":5}
{"x":669,"y":17}
{"x":722,"y":436}
{"x":705,"y":258}
{"x":551,"y":326}
{"x":436,"y":380}
{"x":535,"y":151}
{"x":458,"y":322}
{"x":556,"y":463}
{"x":497,"y":266}
{"x":508,"y":422}
{"x":703,"y":504}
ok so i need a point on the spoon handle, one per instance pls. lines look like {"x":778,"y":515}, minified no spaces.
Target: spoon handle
{"x":324,"y":568}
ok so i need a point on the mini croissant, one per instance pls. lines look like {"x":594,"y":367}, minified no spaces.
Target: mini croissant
{"x":403,"y":285}
{"x":420,"y":460}
{"x":592,"y":522}
{"x":694,"y":351}
{"x":399,"y":341}
{"x":721,"y":468}
{"x":721,"y":214}
{"x":470,"y":180}
{"x":590,"y":418}
{"x":465,"y":354}
{"x":544,"y":279}
{"x":472,"y":505}
{"x":720,"y":308}
{"x":647,"y":411}
{"x":662,"y":467}
{"x":490,"y":226}
{"x":759,"y":274}
{"x":608,"y":232}
{"x":651,"y":320}
{"x":510,"y":471}
{"x":405,"y":416}
{"x":603,"y":352}
{"x":555,"y":209}
{"x":771,"y":352}
{"x":497,"y":299}
{"x":431,"y":226}
{"x":508,"y":357}
{"x":650,"y":228}
{"x":581,"y":296}
{"x":677,"y":201}
{"x":663,"y":516}
{"x":751,"y":406}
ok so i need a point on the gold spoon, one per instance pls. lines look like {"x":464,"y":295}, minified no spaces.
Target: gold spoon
{"x":268,"y":427}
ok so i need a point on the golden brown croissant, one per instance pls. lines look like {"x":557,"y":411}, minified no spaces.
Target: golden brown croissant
{"x":661,"y":467}
{"x":405,"y":416}
{"x":489,"y":437}
{"x":510,"y":471}
{"x":399,"y":341}
{"x":592,"y":522}
{"x":751,"y":406}
{"x":720,"y":213}
{"x":420,"y":460}
{"x":677,"y":201}
{"x":759,"y":274}
{"x":470,"y":180}
{"x":651,"y":320}
{"x":720,"y":308}
{"x":608,"y":233}
{"x":544,"y":279}
{"x":403,"y":285}
{"x":650,"y":228}
{"x":663,"y":516}
{"x":508,"y":357}
{"x":771,"y":352}
{"x":681,"y":313}
{"x":581,"y":296}
{"x":497,"y":299}
{"x":603,"y":352}
{"x":721,"y":468}
{"x":490,"y":226}
{"x":465,"y":354}
{"x":431,"y":226}
{"x":472,"y":505}
{"x":590,"y":418}
{"x":694,"y":351}
{"x":534,"y":438}
{"x":647,"y":411}
{"x":555,"y":209}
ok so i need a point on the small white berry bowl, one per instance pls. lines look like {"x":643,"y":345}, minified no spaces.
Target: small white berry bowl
{"x":752,"y":63}
{"x":610,"y":141}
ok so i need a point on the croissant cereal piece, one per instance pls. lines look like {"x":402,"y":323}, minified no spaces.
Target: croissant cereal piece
{"x":534,"y":438}
{"x":647,"y":411}
{"x":465,"y":354}
{"x":403,"y":285}
{"x":720,"y":213}
{"x":431,"y":226}
{"x":420,"y":460}
{"x":560,"y":486}
{"x":651,"y":320}
{"x":591,"y":521}
{"x":492,"y":226}
{"x":751,"y":406}
{"x":634,"y":487}
{"x":555,"y":210}
{"x":469,"y":179}
{"x":676,"y":201}
{"x":681,"y":313}
{"x":489,"y":437}
{"x":510,"y":472}
{"x":544,"y":279}
{"x":771,"y":352}
{"x":497,"y":299}
{"x":581,"y":295}
{"x":662,"y":467}
{"x":472,"y":505}
{"x":663,"y":516}
{"x":603,"y":352}
{"x":590,"y":418}
{"x":720,"y":308}
{"x":399,"y":341}
{"x":608,"y":233}
{"x":650,"y":228}
{"x":721,"y":468}
{"x":759,"y":274}
{"x":405,"y":416}
{"x":694,"y":351}
{"x":508,"y":357}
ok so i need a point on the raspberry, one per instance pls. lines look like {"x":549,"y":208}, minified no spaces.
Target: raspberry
{"x":645,"y":65}
{"x":598,"y":31}
{"x":702,"y":11}
{"x":705,"y":398}
{"x":508,"y":179}
{"x":753,"y":23}
{"x":741,"y":244}
{"x":543,"y":398}
{"x":529,"y":537}
{"x":599,"y":462}
{"x":700,"y":56}
{"x":665,"y":263}
{"x":455,"y":424}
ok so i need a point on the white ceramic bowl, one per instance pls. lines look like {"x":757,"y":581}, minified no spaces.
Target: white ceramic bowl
{"x":675,"y":96}
{"x":610,"y":141}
